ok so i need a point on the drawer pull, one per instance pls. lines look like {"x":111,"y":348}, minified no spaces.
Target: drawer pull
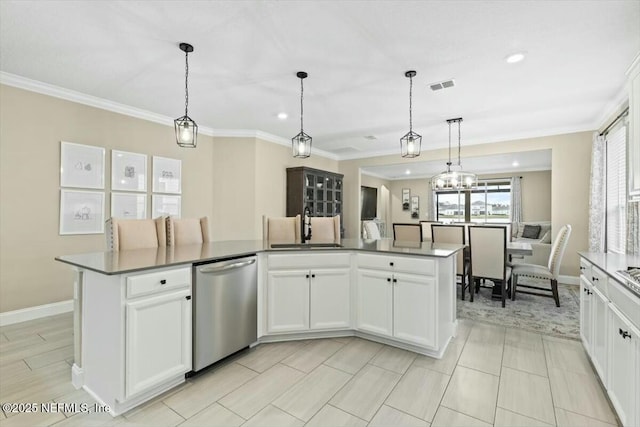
{"x":388,"y":279}
{"x":581,"y":268}
{"x":313,"y":276}
{"x":307,"y":276}
{"x":163,"y":282}
{"x":589,"y":292}
{"x":624,"y":334}
{"x":188,"y":297}
{"x":595,"y":279}
{"x":391,"y":264}
{"x":395,"y":280}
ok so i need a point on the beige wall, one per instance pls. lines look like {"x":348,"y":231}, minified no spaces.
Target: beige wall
{"x":570,"y":170}
{"x":417,"y":187}
{"x":32,"y":127}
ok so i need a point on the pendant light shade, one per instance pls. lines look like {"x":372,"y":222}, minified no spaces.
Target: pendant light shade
{"x":186,"y":128}
{"x":410,"y":143}
{"x":301,"y":143}
{"x":454,"y":179}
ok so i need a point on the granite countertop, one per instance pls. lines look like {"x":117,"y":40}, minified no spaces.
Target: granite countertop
{"x":611,"y":263}
{"x":145,"y":259}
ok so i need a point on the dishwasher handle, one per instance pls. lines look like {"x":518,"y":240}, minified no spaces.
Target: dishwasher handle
{"x":233,"y":266}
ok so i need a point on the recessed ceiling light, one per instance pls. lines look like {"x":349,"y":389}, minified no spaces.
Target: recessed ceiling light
{"x":515,"y":57}
{"x":515,"y":163}
{"x":282,"y":116}
{"x":408,"y":172}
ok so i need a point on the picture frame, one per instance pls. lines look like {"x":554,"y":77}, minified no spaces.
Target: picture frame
{"x":81,"y":212}
{"x":415,"y":207}
{"x":129,"y":205}
{"x":128,"y":171}
{"x":167,"y":175}
{"x":81,"y":166}
{"x":166,"y":205}
{"x":406,"y":195}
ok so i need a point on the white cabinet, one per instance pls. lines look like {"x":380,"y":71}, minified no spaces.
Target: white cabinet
{"x":314,"y":298}
{"x":158,"y":340}
{"x":375,"y":302}
{"x":586,"y":290}
{"x":414,"y":318}
{"x":624,"y":367}
{"x":599,"y":329}
{"x":288,"y":301}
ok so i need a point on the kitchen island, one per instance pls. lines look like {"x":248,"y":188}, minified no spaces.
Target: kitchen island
{"x":133,"y":318}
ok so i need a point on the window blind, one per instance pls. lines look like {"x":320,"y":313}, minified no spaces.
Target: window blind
{"x":616,"y":188}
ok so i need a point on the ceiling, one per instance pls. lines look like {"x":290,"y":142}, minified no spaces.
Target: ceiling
{"x":525,"y":161}
{"x":242,"y":72}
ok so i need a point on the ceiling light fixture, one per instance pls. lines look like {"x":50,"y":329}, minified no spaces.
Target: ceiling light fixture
{"x":186,"y":129}
{"x":301,"y":143}
{"x":454,"y":180}
{"x":515,"y":57}
{"x":410,"y":143}
{"x":408,"y":172}
{"x":282,"y":116}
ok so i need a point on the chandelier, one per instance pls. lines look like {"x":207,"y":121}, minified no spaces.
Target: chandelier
{"x":186,"y":129}
{"x":301,"y":143}
{"x":411,"y":141}
{"x":454,"y":179}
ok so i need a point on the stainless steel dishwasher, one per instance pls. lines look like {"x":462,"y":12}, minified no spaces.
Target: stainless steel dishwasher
{"x":225,"y":313}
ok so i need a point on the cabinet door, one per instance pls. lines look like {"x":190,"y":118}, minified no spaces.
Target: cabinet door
{"x":375,"y":302}
{"x":330,"y":299}
{"x":414,"y":309}
{"x":624,"y":358}
{"x":158,"y":340}
{"x":599,"y":325}
{"x":585,"y":312}
{"x":287,"y":300}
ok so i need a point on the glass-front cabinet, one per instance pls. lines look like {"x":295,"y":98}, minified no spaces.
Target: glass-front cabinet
{"x":320,"y":191}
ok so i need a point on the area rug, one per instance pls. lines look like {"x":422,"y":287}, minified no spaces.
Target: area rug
{"x":529,"y":312}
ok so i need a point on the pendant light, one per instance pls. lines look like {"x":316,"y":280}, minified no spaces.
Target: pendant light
{"x":186,"y":129}
{"x":410,"y":143}
{"x":301,"y":143}
{"x":454,"y":179}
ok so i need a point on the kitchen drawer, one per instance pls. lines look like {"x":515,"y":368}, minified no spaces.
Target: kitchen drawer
{"x":599,"y":279}
{"x":585,"y":268}
{"x":397,"y":264}
{"x":625,"y":302}
{"x":309,"y":261}
{"x":158,"y":281}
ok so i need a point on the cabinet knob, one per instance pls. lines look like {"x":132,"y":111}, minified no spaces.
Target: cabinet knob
{"x":388,"y":279}
{"x":595,"y":279}
{"x":395,"y":280}
{"x":313,"y":275}
{"x":581,"y":268}
{"x":163,"y":282}
{"x":391,"y":264}
{"x":624,"y":334}
{"x":589,"y":292}
{"x":307,"y":276}
{"x":188,"y":297}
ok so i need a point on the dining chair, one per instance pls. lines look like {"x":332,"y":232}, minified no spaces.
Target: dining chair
{"x":549,"y":272}
{"x":426,"y":229}
{"x":444,"y":233}
{"x":129,"y":234}
{"x":488,"y":254}
{"x":325,"y":229}
{"x":371,"y":230}
{"x":410,"y":232}
{"x":187,"y":231}
{"x":281,"y":229}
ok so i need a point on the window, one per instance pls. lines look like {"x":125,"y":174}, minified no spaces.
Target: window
{"x":616,"y":190}
{"x":490,"y":202}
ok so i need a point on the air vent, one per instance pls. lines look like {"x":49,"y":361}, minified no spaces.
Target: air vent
{"x":442,"y":85}
{"x":370,"y":137}
{"x":345,"y":150}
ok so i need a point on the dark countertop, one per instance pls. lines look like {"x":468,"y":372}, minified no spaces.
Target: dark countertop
{"x":146,"y":259}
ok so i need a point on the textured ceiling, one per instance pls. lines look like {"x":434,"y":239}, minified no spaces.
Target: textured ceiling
{"x":247,"y":53}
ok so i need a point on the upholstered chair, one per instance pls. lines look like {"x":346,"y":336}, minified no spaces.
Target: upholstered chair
{"x":187,"y":231}
{"x":128,"y":234}
{"x":443,"y":233}
{"x":549,"y":272}
{"x":325,"y":229}
{"x":371,"y":230}
{"x":281,"y":229}
{"x":488,"y":255}
{"x":426,"y":229}
{"x":407,"y":232}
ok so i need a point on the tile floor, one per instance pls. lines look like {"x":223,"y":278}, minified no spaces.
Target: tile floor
{"x":489,"y":376}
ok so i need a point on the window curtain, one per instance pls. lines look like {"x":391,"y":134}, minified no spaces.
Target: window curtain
{"x":516,"y":200}
{"x":597,"y":203}
{"x":633,"y":227}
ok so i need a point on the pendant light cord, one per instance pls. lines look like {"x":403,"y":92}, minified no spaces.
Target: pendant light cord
{"x":186,"y":83}
{"x":459,"y":144}
{"x":301,"y":104}
{"x":410,"y":112}
{"x":449,"y":162}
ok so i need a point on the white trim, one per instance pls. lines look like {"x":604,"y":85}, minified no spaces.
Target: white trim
{"x":568,"y":280}
{"x":77,"y":376}
{"x":634,"y":67}
{"x":37,"y":312}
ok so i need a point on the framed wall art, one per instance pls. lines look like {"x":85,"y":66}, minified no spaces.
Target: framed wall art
{"x":81,"y":212}
{"x":81,"y":166}
{"x":167,"y":175}
{"x":406,"y":195}
{"x":415,"y":207}
{"x":163,"y":205}
{"x":128,"y":205}
{"x":128,"y":171}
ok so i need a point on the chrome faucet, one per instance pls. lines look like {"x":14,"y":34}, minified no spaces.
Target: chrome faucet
{"x":306,"y":224}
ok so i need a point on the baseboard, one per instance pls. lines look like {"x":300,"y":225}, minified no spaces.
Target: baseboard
{"x":569,"y":280}
{"x":37,"y":312}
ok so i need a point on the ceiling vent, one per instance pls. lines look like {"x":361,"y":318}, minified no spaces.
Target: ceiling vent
{"x":370,"y":137}
{"x":442,"y":85}
{"x":345,"y":150}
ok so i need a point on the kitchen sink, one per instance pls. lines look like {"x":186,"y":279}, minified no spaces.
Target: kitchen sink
{"x":304,"y":245}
